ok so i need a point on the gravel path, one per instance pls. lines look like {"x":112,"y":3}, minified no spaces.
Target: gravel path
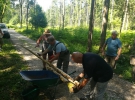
{"x":118,"y":89}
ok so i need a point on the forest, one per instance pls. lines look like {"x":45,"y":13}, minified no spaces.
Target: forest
{"x":82,"y":25}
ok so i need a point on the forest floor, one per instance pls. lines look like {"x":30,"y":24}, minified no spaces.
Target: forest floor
{"x":118,"y":89}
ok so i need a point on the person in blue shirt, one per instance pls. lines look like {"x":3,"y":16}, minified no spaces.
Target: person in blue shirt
{"x":113,"y":51}
{"x":62,"y":54}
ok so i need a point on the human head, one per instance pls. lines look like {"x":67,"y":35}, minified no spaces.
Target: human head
{"x":77,"y":57}
{"x":114,"y":34}
{"x":51,"y":40}
{"x":47,"y":31}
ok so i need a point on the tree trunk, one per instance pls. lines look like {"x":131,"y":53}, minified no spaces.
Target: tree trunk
{"x":80,"y":19}
{"x":127,"y":21}
{"x":73,"y":6}
{"x":122,"y":18}
{"x":71,"y":19}
{"x":34,"y":6}
{"x":21,"y":13}
{"x":125,"y":14}
{"x":86,"y":12}
{"x":3,"y":12}
{"x":91,"y":24}
{"x":104,"y":23}
{"x":111,"y":15}
{"x":78,"y":13}
{"x":132,"y":49}
{"x":60,"y":15}
{"x":27,"y":15}
{"x":63,"y":15}
{"x":121,"y":22}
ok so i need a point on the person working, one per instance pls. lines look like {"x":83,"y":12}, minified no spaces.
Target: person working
{"x":45,"y":45}
{"x":97,"y":69}
{"x":61,"y":53}
{"x":113,"y":49}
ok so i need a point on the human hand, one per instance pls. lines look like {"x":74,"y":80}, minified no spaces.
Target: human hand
{"x":117,"y":57}
{"x":39,"y":54}
{"x":76,"y":83}
{"x":37,"y":45}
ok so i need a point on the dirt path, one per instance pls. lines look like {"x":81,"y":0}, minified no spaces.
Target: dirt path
{"x":118,"y":89}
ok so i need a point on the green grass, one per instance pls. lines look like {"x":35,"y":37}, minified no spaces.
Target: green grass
{"x":11,"y":83}
{"x":76,"y":40}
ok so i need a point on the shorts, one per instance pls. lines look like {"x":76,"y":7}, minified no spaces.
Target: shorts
{"x":111,"y":61}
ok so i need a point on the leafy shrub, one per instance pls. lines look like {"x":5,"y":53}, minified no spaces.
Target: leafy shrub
{"x":75,"y":39}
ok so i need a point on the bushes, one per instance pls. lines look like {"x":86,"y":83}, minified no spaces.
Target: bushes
{"x":76,"y":40}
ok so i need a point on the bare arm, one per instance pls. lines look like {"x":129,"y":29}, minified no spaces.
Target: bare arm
{"x":39,"y":40}
{"x":118,"y":53}
{"x":80,"y":76}
{"x":45,"y":51}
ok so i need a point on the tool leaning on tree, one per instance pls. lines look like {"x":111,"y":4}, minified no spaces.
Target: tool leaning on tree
{"x":64,"y":77}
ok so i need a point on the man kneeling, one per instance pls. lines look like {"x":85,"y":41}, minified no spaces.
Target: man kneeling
{"x":97,"y":69}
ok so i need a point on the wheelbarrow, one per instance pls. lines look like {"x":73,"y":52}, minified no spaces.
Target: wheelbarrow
{"x":40,"y":80}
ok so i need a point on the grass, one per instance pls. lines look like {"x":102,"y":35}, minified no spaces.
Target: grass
{"x":11,"y":83}
{"x":76,"y":40}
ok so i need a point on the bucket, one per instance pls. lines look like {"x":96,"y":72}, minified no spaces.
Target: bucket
{"x":30,"y":93}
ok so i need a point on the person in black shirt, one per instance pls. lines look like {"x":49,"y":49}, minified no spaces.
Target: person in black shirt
{"x":95,"y":68}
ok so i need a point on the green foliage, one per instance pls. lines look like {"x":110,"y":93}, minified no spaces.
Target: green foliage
{"x":14,"y":20}
{"x":3,"y":7}
{"x":33,"y":34}
{"x":76,"y":40}
{"x":38,"y":19}
{"x":11,"y":64}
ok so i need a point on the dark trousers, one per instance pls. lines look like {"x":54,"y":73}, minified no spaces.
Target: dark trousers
{"x":63,"y":60}
{"x":50,"y":53}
